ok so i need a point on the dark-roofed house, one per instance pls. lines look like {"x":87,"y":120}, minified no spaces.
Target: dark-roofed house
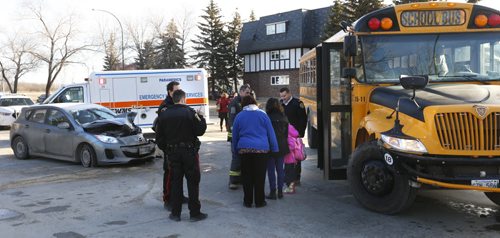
{"x":272,"y":47}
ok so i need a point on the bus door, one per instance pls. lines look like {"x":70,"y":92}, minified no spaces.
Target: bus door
{"x":334,"y":112}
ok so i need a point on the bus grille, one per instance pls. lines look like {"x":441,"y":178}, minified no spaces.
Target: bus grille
{"x":464,"y":131}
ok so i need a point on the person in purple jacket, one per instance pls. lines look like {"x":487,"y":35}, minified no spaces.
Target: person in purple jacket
{"x":253,"y":140}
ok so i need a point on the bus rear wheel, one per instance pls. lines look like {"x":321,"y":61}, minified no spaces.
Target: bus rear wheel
{"x":494,"y":197}
{"x":374,"y":185}
{"x":312,"y":136}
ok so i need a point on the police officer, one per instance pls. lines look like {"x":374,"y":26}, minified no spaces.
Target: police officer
{"x":234,"y":108}
{"x":297,"y":116}
{"x":171,"y":88}
{"x":177,"y":134}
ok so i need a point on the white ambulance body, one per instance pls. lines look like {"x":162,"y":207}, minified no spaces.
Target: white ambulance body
{"x":140,"y":91}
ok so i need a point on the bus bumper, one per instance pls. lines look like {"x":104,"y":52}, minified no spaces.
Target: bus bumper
{"x":466,"y":173}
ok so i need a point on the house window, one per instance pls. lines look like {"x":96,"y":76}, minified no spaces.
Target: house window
{"x":280,"y":80}
{"x":284,"y":54}
{"x":271,"y":29}
{"x":280,"y":27}
{"x":275,"y":28}
{"x":275,"y":55}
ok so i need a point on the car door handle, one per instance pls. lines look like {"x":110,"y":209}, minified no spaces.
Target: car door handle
{"x":47,"y":130}
{"x":26,"y":126}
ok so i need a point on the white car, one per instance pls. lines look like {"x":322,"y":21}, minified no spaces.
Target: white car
{"x":10,"y":107}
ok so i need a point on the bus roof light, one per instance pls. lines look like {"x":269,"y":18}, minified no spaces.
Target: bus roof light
{"x":374,"y":24}
{"x":481,"y":21}
{"x":386,"y":23}
{"x":494,"y":20}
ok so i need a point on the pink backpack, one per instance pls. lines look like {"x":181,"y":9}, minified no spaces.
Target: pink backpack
{"x":297,"y":148}
{"x":299,"y":152}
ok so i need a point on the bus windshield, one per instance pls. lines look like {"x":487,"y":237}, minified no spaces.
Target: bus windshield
{"x":443,"y":57}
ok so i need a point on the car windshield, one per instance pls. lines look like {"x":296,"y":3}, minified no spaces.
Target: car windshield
{"x":88,"y":115}
{"x":443,"y":57}
{"x":5,"y":102}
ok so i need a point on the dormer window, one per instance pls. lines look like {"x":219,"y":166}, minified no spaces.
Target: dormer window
{"x":280,"y":27}
{"x":275,"y":28}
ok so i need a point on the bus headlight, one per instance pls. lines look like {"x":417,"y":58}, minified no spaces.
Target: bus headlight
{"x":405,"y":145}
{"x":107,"y":139}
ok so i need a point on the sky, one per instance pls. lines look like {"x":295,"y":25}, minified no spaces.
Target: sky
{"x":14,"y":17}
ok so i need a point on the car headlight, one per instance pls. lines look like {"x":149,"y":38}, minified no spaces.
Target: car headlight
{"x":406,"y":145}
{"x":107,"y":139}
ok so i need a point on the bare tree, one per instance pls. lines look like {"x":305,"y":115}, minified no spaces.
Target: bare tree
{"x":185,"y":26}
{"x":143,"y":39}
{"x":16,"y":60}
{"x":57,"y":47}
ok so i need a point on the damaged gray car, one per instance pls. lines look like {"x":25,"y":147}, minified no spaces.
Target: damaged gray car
{"x":86,"y":133}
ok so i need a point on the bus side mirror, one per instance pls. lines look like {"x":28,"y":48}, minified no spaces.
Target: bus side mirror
{"x":348,"y":73}
{"x":350,"y":45}
{"x":413,"y":82}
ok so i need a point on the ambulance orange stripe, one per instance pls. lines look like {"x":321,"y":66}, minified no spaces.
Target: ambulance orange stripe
{"x":148,"y":103}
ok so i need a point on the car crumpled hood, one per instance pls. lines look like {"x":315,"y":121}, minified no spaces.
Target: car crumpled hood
{"x":117,"y":127}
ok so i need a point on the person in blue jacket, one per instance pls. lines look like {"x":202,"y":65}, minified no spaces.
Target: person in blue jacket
{"x":253,"y":140}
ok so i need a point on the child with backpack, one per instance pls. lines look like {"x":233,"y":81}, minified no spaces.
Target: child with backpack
{"x":296,"y":154}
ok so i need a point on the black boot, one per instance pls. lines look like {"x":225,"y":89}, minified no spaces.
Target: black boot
{"x":272,"y":195}
{"x":280,"y":193}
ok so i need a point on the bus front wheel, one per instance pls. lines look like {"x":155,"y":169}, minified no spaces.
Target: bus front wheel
{"x":494,"y":197}
{"x":312,"y":136}
{"x":374,"y":185}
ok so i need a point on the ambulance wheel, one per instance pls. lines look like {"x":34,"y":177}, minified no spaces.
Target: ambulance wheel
{"x":494,"y":197}
{"x":21,"y":150}
{"x":374,"y":185}
{"x":312,"y":136}
{"x":87,"y":156}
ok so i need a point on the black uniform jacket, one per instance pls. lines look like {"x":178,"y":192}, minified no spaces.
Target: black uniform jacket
{"x":167,"y":102}
{"x":296,"y":114}
{"x":179,"y":124}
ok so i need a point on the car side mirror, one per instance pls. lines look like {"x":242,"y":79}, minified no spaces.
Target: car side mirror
{"x":413,"y":82}
{"x":63,"y":125}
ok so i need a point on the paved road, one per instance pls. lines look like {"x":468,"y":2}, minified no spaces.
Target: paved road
{"x":47,"y":198}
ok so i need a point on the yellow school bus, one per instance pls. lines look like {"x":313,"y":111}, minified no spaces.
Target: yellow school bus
{"x":408,"y":97}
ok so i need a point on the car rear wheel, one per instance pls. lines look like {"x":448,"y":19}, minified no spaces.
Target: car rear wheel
{"x":494,"y":197}
{"x":87,"y":156}
{"x":20,"y":148}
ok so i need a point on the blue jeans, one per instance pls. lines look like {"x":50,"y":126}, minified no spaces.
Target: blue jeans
{"x":275,"y":166}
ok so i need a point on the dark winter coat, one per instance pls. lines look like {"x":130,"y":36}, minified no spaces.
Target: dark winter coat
{"x":280,"y":126}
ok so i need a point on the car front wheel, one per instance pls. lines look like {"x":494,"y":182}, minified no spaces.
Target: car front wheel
{"x":20,"y":148}
{"x":87,"y":156}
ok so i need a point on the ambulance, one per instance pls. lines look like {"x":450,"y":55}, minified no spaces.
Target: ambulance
{"x":139,"y":91}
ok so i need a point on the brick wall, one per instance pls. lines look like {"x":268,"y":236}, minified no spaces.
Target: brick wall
{"x":261,"y":83}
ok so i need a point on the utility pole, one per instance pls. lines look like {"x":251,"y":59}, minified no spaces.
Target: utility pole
{"x":121,"y":27}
